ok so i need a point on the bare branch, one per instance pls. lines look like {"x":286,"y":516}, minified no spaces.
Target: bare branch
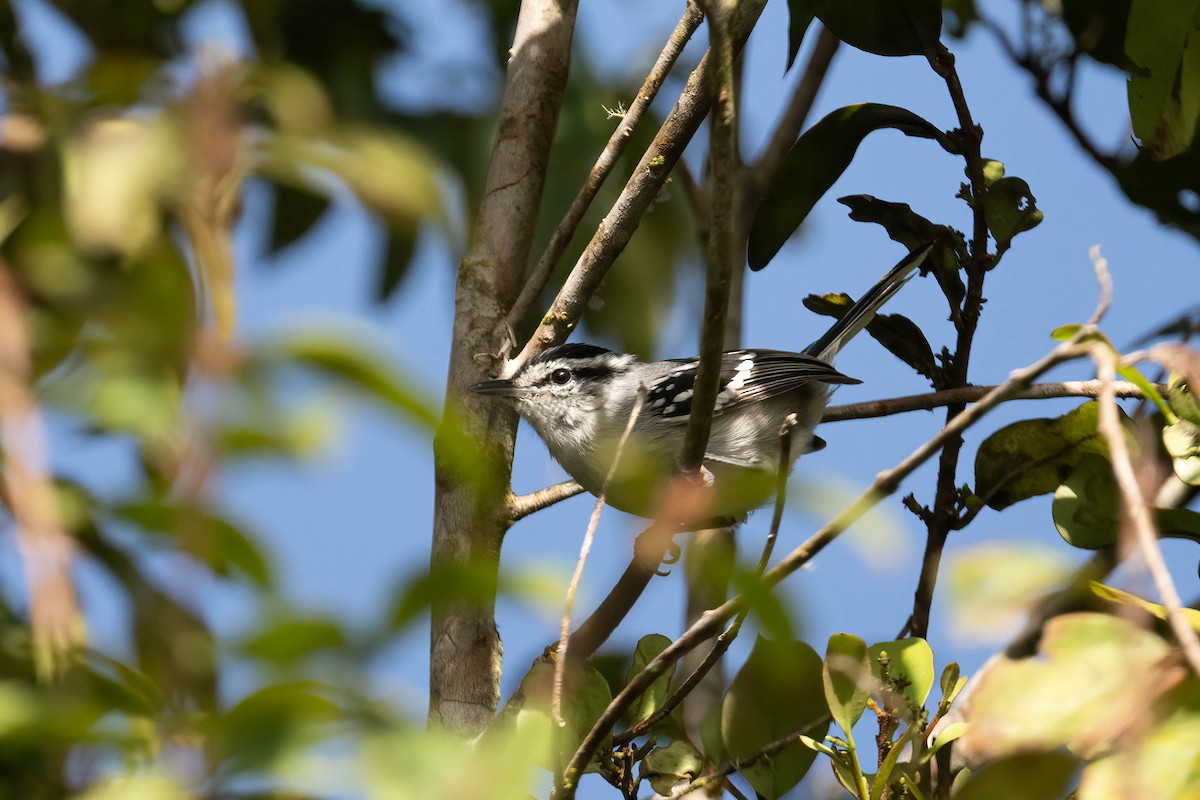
{"x":1140,"y":516}
{"x":643,"y":186}
{"x":560,"y":664}
{"x":885,"y":484}
{"x":521,"y":506}
{"x":971,"y":394}
{"x":561,"y":237}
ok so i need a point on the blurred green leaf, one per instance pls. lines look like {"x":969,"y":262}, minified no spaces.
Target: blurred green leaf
{"x":1163,"y":41}
{"x":1163,"y":762}
{"x":1029,"y":776}
{"x":777,"y":692}
{"x":175,"y":648}
{"x":1182,"y":441}
{"x":1099,"y":28}
{"x":883,"y":27}
{"x":648,"y":648}
{"x":1095,"y":673}
{"x":765,"y":604}
{"x":909,"y":671}
{"x":354,"y":364}
{"x":847,"y":678}
{"x":151,"y":786}
{"x":585,"y":696}
{"x":1114,"y":595}
{"x":200,"y":532}
{"x":1035,"y":456}
{"x":469,"y":583}
{"x":1011,"y":209}
{"x":398,"y":255}
{"x":814,"y":163}
{"x":297,"y":211}
{"x":994,"y":586}
{"x":292,"y":639}
{"x":666,"y":766}
{"x":274,"y":723}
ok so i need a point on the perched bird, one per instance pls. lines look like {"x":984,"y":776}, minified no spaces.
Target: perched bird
{"x":579,"y":397}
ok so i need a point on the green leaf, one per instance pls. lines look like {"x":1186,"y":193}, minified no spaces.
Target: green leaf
{"x":297,"y":210}
{"x":913,"y":230}
{"x":814,"y":163}
{"x":948,"y":682}
{"x":1085,"y":509}
{"x":847,"y":678}
{"x":274,"y":723}
{"x":201,"y":533}
{"x":585,"y":696}
{"x":905,"y":340}
{"x":1163,"y":41}
{"x":883,"y":27}
{"x":1095,"y":673}
{"x":397,"y":258}
{"x":778,"y":691}
{"x":1034,"y":456}
{"x":1183,"y":401}
{"x":1114,"y":595}
{"x":291,"y":640}
{"x":648,"y":648}
{"x":1099,"y":28}
{"x":354,"y":364}
{"x":995,"y":585}
{"x":1011,"y":209}
{"x":1182,"y":441}
{"x":666,"y":766}
{"x":909,"y":671}
{"x":1029,"y":776}
{"x":800,"y":17}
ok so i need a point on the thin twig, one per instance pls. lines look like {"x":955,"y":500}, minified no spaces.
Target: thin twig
{"x":640,"y":191}
{"x":560,"y":664}
{"x":885,"y":484}
{"x":971,"y":394}
{"x":721,"y":645}
{"x":522,"y":505}
{"x":561,"y":237}
{"x":725,"y":166}
{"x":46,"y":550}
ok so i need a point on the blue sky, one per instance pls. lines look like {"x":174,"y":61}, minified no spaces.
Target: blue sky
{"x":345,"y":527}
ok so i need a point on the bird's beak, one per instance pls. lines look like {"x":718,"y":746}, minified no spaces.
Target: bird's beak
{"x":498,"y":388}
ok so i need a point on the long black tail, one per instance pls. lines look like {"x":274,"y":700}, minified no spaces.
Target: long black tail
{"x":862,"y":312}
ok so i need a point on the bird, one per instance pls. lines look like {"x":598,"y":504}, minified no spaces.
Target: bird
{"x":579,"y":398}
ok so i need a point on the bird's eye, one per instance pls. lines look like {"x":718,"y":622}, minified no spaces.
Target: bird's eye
{"x":560,"y":376}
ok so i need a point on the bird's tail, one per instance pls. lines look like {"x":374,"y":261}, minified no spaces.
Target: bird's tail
{"x":862,"y":312}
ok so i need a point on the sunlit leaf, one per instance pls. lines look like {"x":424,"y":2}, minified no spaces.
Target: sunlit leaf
{"x":1034,"y":456}
{"x":1163,"y":41}
{"x":1011,"y":209}
{"x":1114,"y":595}
{"x":1096,"y":672}
{"x":909,"y":670}
{"x":1030,"y":776}
{"x":1182,"y":441}
{"x":777,"y":692}
{"x":995,"y":584}
{"x":648,"y":647}
{"x":1085,"y":506}
{"x":666,"y":766}
{"x":814,"y":163}
{"x":847,"y":678}
{"x":137,"y":787}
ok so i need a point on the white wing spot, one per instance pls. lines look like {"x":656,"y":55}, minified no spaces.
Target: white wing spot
{"x":682,"y":396}
{"x":669,"y":409}
{"x":658,"y":403}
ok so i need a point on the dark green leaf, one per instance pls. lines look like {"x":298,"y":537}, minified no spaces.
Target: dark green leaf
{"x":1029,"y":776}
{"x":269,"y":723}
{"x":1163,"y":41}
{"x":648,"y":647}
{"x":814,"y":163}
{"x":666,"y":766}
{"x":777,"y":692}
{"x":1035,"y":456}
{"x":909,"y":670}
{"x":913,"y":230}
{"x":297,"y":211}
{"x":800,"y":17}
{"x":397,"y":258}
{"x":847,"y":678}
{"x":1099,"y":28}
{"x":962,"y":13}
{"x":883,"y":27}
{"x":1085,"y":505}
{"x":1011,"y":209}
{"x":903,"y":339}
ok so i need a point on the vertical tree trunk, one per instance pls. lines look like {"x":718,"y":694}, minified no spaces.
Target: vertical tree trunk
{"x":470,"y":511}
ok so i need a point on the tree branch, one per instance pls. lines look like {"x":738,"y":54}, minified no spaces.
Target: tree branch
{"x":972,"y":394}
{"x":470,"y":512}
{"x":561,"y":237}
{"x":643,"y":186}
{"x":522,"y":505}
